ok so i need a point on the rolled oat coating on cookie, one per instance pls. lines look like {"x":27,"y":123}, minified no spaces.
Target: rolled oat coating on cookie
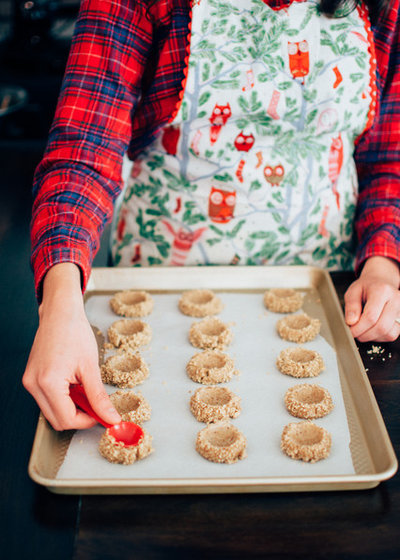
{"x":283,"y":300}
{"x":300,"y":362}
{"x":211,"y":367}
{"x":221,"y":442}
{"x":211,"y":404}
{"x":124,"y":370}
{"x":298,"y":328}
{"x":132,"y":303}
{"x":200,"y":303}
{"x":116,"y":452}
{"x":308,"y":401}
{"x":305,"y":441}
{"x":132,"y":407}
{"x":210,"y":333}
{"x":129,"y":334}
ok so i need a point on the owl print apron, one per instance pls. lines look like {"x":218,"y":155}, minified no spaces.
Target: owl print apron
{"x":256,"y":166}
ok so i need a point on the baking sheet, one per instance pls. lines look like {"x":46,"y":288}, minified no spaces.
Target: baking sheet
{"x":260,"y":385}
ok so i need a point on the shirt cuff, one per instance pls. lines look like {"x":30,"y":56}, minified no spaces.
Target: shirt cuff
{"x":45,"y":258}
{"x":380,"y":244}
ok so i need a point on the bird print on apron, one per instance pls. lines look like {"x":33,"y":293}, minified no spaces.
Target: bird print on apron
{"x":256,"y":165}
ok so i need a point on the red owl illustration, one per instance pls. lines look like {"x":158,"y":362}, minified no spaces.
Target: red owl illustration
{"x":299,"y":59}
{"x":221,"y":204}
{"x":335,"y":162}
{"x":244,"y":142}
{"x":183,"y":242}
{"x":170,"y":138}
{"x":274,"y":175}
{"x":218,"y":119}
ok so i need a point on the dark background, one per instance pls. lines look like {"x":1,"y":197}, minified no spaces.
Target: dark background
{"x":34,"y":44}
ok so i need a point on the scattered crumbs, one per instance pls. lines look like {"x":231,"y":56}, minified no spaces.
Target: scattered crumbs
{"x":108,"y":346}
{"x":163,"y":382}
{"x":376,"y":350}
{"x":165,"y":347}
{"x":366,"y":369}
{"x":390,"y":354}
{"x":81,"y":441}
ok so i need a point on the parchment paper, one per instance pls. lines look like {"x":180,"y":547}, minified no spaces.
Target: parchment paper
{"x":260,"y":385}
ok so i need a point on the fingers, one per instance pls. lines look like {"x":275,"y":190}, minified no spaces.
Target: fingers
{"x":353,"y":303}
{"x":378,"y":318}
{"x":56,"y":405}
{"x":382,"y":328}
{"x":99,"y":399}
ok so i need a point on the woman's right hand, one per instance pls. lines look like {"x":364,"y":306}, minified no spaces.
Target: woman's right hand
{"x":65,"y":352}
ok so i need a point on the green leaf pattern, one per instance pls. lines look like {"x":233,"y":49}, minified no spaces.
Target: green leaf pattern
{"x":239,"y":60}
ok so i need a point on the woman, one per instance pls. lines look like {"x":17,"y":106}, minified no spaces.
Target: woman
{"x":263,"y":135}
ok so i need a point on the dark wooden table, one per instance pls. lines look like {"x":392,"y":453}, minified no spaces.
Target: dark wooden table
{"x":37,"y":524}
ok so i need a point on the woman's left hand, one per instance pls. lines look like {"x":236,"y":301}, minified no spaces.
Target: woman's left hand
{"x":372,"y":302}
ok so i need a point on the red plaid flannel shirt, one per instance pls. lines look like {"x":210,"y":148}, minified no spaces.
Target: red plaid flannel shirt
{"x":121,"y":85}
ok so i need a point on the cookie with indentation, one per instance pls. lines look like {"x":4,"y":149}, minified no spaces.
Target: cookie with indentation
{"x":132,"y":303}
{"x":124,"y":370}
{"x":200,"y":303}
{"x":283,"y":300}
{"x":298,"y":328}
{"x":129,"y":334}
{"x":300,"y":362}
{"x":211,"y":367}
{"x":305,"y":441}
{"x":211,"y":332}
{"x":211,"y":404}
{"x":308,"y":401}
{"x":221,"y":442}
{"x":131,"y":406}
{"x":116,"y":452}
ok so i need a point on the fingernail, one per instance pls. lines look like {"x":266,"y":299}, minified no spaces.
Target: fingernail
{"x":113,"y":412}
{"x":351,"y":315}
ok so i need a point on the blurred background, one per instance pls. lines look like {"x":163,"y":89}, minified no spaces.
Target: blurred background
{"x":35,"y":37}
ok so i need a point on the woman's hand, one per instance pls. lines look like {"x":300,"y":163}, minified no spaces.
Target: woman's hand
{"x":65,"y":352}
{"x":372,"y":303}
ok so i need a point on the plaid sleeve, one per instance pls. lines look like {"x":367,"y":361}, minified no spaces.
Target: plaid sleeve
{"x":378,"y":152}
{"x":79,"y":176}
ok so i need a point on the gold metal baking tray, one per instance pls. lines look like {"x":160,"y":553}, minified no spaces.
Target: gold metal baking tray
{"x":371,"y":450}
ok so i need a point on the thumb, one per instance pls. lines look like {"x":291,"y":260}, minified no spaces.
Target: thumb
{"x":99,"y":399}
{"x":353,"y":299}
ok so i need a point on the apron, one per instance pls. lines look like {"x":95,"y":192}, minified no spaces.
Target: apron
{"x":256,"y":165}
